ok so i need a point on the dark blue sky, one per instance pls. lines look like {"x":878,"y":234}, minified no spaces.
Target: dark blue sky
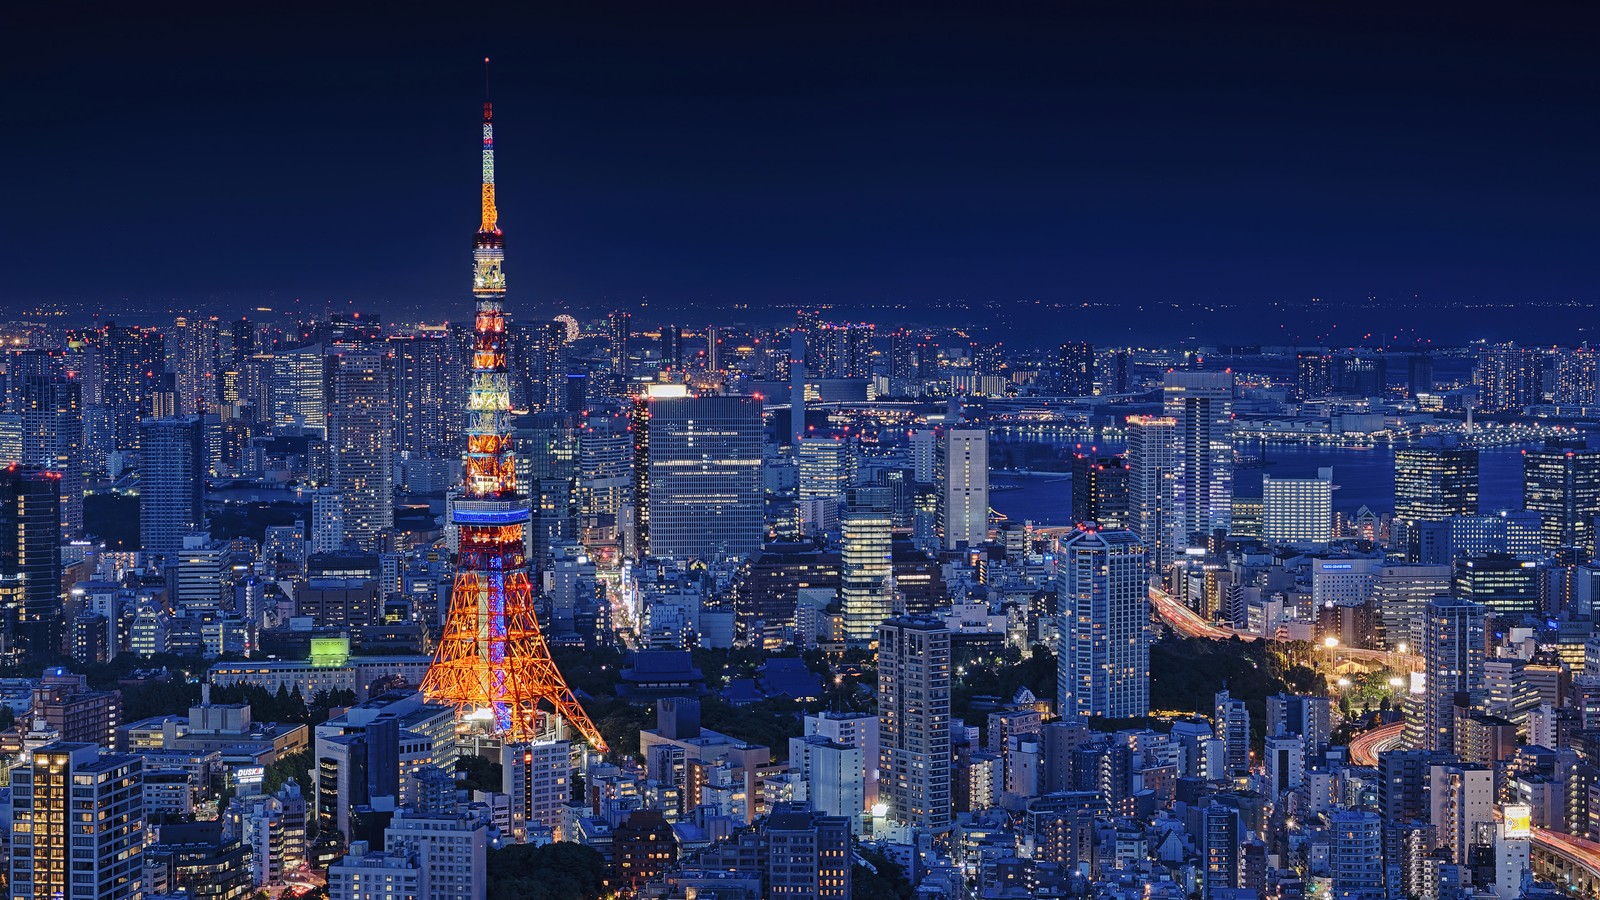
{"x":776,"y":153}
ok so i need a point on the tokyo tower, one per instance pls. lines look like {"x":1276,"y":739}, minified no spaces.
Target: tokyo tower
{"x":492,"y":657}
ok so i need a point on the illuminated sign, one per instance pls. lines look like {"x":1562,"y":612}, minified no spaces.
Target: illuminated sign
{"x":1330,"y":567}
{"x":250,"y":774}
{"x":1518,"y":818}
{"x":330,"y":652}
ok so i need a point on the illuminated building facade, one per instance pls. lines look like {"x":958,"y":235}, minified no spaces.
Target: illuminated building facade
{"x":30,"y":560}
{"x":361,"y":444}
{"x":1103,"y":657}
{"x":1202,"y":491}
{"x":1152,"y":442}
{"x":1563,"y":487}
{"x":698,"y":493}
{"x":914,"y":721}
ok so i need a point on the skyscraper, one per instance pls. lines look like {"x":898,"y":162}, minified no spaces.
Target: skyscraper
{"x":133,"y":366}
{"x":1578,"y":377}
{"x":1563,"y":486}
{"x":701,"y":494}
{"x":914,"y":721}
{"x":1152,"y":443}
{"x":823,"y":465}
{"x":1313,"y":374}
{"x":1453,"y":653}
{"x":1075,"y":369}
{"x":424,"y":409}
{"x":865,"y":562}
{"x":171,"y":483}
{"x":361,"y":446}
{"x":619,"y":331}
{"x":30,"y":561}
{"x":1103,"y":658}
{"x":1202,"y":492}
{"x":1509,"y":378}
{"x":1431,"y":484}
{"x":52,"y":856}
{"x":1401,"y":594}
{"x":52,"y":438}
{"x":1100,"y":490}
{"x":298,"y":389}
{"x":962,"y":471}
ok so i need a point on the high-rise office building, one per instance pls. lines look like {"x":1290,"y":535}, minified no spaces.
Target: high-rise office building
{"x":171,"y":483}
{"x":298,"y":389}
{"x":1431,"y":484}
{"x":1401,"y":594}
{"x":52,"y":438}
{"x":1563,"y":486}
{"x":1100,"y":490}
{"x":1202,"y":491}
{"x":1297,"y":511}
{"x":866,"y":565}
{"x":1152,"y":465}
{"x":914,"y":721}
{"x":823,"y":473}
{"x":1509,"y":378}
{"x":1075,"y":369}
{"x":1507,"y":586}
{"x":962,"y":472}
{"x":547,"y":472}
{"x":1453,"y":654}
{"x":699,"y":490}
{"x":1313,"y":377}
{"x":1103,"y":658}
{"x":52,"y":855}
{"x":361,"y":446}
{"x":30,"y":561}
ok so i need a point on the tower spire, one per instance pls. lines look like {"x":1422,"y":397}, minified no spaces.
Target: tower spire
{"x":491,"y":216}
{"x":492,"y":658}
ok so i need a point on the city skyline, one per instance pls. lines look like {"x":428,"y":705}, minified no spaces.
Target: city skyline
{"x":682,"y":160}
{"x":859,"y":598}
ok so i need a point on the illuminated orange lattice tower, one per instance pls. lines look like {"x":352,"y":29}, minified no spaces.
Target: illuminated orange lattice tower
{"x":492,"y":655}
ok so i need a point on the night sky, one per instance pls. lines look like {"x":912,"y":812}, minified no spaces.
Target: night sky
{"x":765,"y":153}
